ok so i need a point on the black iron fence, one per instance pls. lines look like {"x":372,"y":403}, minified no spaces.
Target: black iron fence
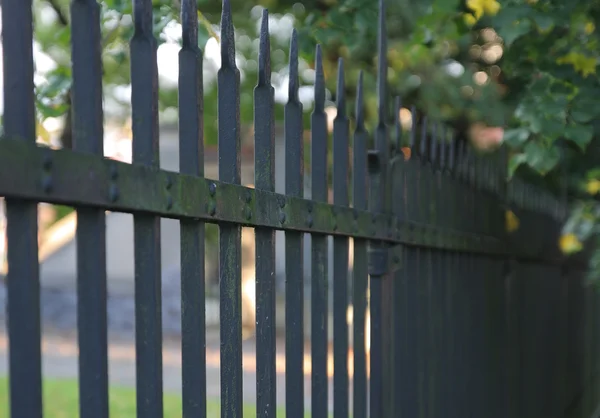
{"x":467,"y":319}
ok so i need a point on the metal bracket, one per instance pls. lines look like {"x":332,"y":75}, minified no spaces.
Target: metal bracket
{"x":384,"y":259}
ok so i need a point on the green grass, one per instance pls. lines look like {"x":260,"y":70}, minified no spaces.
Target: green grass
{"x":61,"y":400}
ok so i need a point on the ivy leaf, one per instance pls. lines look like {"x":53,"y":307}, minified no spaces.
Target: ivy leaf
{"x":529,"y":113}
{"x":516,"y":137}
{"x":515,"y":162}
{"x":585,"y":108}
{"x":514,"y":31}
{"x":581,"y":135}
{"x":540,"y":157}
{"x":543,"y":22}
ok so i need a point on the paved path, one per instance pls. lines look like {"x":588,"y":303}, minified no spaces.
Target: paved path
{"x":60,"y":361}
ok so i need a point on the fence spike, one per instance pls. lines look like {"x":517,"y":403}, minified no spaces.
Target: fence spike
{"x":88,"y":136}
{"x":360,"y":270}
{"x":319,"y":253}
{"x":142,"y":19}
{"x":293,"y":68}
{"x":398,"y":123}
{"x":264,"y":51}
{"x":147,"y":228}
{"x":434,"y":145}
{"x":382,"y":65}
{"x":319,"y":81}
{"x":341,"y":91}
{"x":189,"y":24}
{"x":264,"y":179}
{"x":443,"y":148}
{"x":227,"y":37}
{"x":340,"y":251}
{"x":451,"y":149}
{"x":360,"y":116}
{"x":413,"y":129}
{"x":230,"y":248}
{"x":294,"y":245}
{"x":423,"y":139}
{"x":192,"y":233}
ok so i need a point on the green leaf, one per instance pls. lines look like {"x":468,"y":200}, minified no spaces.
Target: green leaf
{"x":585,"y":108}
{"x":542,"y":158}
{"x":543,"y":21}
{"x":516,"y":137}
{"x":581,"y":135}
{"x":514,"y":31}
{"x":527,"y":113}
{"x":445,"y":6}
{"x":515,"y":162}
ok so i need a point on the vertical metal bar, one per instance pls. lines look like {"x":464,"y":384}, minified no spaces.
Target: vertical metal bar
{"x":409,"y":388}
{"x":23,"y":285}
{"x":445,"y":278}
{"x":398,"y":331}
{"x":437,"y":284}
{"x":88,"y":135}
{"x":341,"y":132}
{"x":294,"y":246}
{"x":319,"y":283}
{"x":192,"y":233}
{"x":422,"y":184}
{"x":453,"y":278}
{"x":230,"y":251}
{"x":360,"y":271}
{"x":378,"y":250}
{"x":148,"y":318}
{"x":264,"y":178}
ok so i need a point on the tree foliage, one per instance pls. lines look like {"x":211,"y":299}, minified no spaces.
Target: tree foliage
{"x":528,"y":66}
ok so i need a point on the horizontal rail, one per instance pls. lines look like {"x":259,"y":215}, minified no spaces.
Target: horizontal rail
{"x":77,"y":179}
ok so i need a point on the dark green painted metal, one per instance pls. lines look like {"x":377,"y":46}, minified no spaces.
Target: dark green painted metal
{"x":359,"y":272}
{"x":230,"y":235}
{"x":192,"y":232}
{"x":23,"y":286}
{"x":146,"y":227}
{"x":264,"y":179}
{"x":88,"y":133}
{"x":86,"y":180}
{"x":294,"y":246}
{"x":319,"y":249}
{"x":378,"y":252}
{"x":341,"y":133}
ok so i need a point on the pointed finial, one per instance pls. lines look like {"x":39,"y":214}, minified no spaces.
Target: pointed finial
{"x":293,"y":83}
{"x":451,"y":153}
{"x":398,"y":122}
{"x":319,"y":81}
{"x":413,"y":129}
{"x":227,"y":37}
{"x":382,"y":64}
{"x":360,"y":117}
{"x":423,"y":142}
{"x":442,"y":143}
{"x":189,"y":24}
{"x":433,"y":149}
{"x":264,"y":51}
{"x":341,"y":90}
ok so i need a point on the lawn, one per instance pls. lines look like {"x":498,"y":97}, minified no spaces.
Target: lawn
{"x":61,"y":401}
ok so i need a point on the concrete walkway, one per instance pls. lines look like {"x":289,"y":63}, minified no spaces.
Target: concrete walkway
{"x":60,"y":353}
